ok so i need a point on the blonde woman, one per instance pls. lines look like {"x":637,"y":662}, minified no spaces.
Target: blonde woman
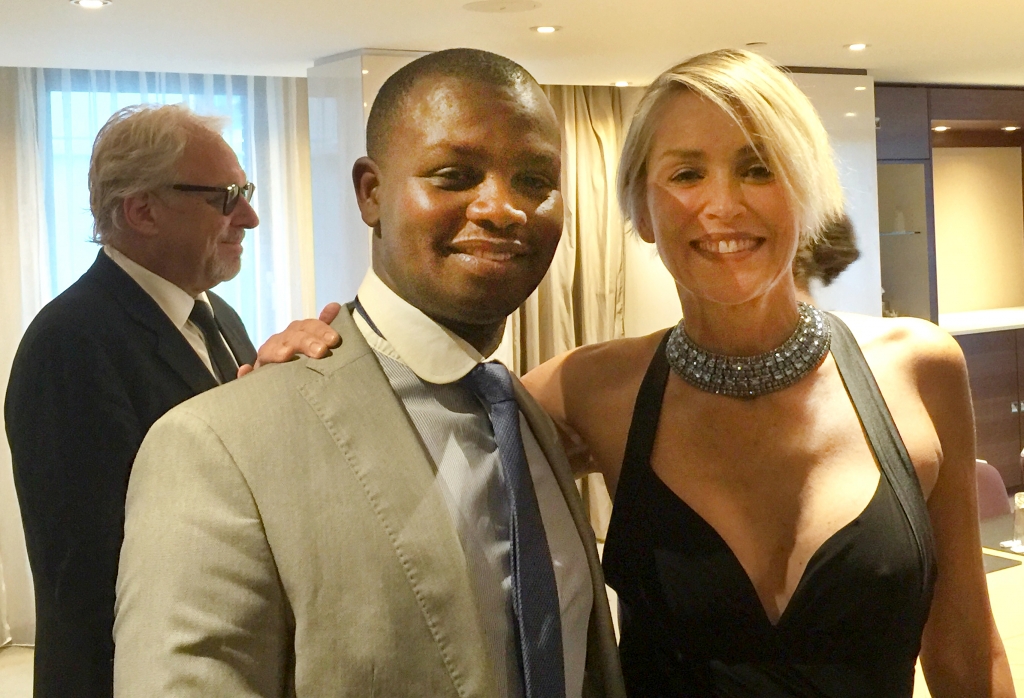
{"x":781,"y":526}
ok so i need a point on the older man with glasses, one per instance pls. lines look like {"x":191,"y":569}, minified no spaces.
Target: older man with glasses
{"x":137,"y":334}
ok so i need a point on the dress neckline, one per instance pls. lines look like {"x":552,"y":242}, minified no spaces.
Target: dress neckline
{"x":809,"y":569}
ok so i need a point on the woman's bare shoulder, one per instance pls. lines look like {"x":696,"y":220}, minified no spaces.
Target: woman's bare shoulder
{"x":919,"y":342}
{"x":602,"y":364}
{"x":914,"y":348}
{"x":586,"y":374}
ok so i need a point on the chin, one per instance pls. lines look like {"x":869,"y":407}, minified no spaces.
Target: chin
{"x":471,"y":310}
{"x":227,"y":270}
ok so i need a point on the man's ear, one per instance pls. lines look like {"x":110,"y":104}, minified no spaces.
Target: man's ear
{"x":366,"y":180}
{"x":139,"y":215}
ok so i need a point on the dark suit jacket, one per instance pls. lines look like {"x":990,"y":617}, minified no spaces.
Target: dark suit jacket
{"x":95,"y":369}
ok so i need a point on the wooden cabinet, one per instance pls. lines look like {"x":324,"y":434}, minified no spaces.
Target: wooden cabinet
{"x":903,"y":126}
{"x":995,"y":364}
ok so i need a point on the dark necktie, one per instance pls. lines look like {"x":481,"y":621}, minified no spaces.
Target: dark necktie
{"x":534,"y":592}
{"x":224,"y":366}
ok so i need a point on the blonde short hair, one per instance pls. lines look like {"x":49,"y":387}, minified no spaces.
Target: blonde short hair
{"x":773,"y":113}
{"x":138,"y":151}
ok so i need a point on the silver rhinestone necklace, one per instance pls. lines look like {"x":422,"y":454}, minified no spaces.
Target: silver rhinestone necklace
{"x":752,"y":376}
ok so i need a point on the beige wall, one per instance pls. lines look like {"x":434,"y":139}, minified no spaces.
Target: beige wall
{"x":979,"y":228}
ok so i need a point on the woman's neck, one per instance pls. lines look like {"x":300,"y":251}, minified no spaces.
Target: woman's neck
{"x":743,"y":329}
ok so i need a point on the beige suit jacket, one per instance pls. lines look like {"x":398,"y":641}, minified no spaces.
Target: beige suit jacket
{"x":285,"y":536}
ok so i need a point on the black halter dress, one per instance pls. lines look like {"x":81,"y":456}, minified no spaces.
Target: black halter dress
{"x":692,"y":623}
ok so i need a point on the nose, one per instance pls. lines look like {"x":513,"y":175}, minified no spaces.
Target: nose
{"x":244,"y":215}
{"x":724,"y":197}
{"x":496,"y":206}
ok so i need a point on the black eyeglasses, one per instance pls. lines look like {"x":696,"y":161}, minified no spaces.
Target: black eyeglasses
{"x":230,"y":192}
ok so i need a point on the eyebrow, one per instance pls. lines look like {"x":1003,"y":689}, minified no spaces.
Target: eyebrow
{"x":537,"y":158}
{"x":746,"y":151}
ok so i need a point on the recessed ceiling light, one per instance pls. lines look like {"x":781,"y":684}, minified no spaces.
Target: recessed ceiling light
{"x":940,"y":129}
{"x":90,"y":4}
{"x":851,"y":113}
{"x":365,"y":71}
{"x":1011,"y":128}
{"x":860,"y":88}
{"x":622,"y":83}
{"x":856,"y":47}
{"x":545,"y":30}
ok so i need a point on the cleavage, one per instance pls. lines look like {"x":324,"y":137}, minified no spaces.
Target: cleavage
{"x":746,"y":526}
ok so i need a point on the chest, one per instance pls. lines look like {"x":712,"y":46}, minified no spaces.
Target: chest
{"x":802,"y":454}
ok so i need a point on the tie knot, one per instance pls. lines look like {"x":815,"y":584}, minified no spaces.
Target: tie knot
{"x":491,"y":382}
{"x":202,"y":317}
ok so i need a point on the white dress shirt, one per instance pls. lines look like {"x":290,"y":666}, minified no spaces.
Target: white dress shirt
{"x":176,"y":303}
{"x":423,"y":361}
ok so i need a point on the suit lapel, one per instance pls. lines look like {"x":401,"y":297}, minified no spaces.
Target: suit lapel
{"x":171,"y":346}
{"x":355,"y":402}
{"x":603,"y":675}
{"x":232,"y":329}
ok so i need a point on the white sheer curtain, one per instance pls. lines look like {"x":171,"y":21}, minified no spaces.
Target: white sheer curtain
{"x":48,"y":121}
{"x":23,"y":274}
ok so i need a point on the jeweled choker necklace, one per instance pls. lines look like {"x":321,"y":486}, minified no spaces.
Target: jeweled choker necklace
{"x":752,"y":376}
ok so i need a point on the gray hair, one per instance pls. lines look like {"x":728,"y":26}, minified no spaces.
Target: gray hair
{"x":776,"y":117}
{"x":138,"y":151}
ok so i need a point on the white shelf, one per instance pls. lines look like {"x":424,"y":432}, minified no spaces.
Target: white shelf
{"x":975,"y":321}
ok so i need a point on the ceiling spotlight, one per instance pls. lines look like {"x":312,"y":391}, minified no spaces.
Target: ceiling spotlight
{"x":940,"y":129}
{"x":90,"y":4}
{"x":622,"y":83}
{"x":856,"y":47}
{"x":860,"y":88}
{"x":545,"y":30}
{"x":1011,"y":128}
{"x":851,"y":113}
{"x":365,"y":71}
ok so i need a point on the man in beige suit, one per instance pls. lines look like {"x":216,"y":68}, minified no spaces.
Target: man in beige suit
{"x":355,"y":525}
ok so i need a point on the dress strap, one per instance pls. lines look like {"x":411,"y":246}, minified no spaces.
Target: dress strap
{"x":646,"y":413}
{"x":885,"y":441}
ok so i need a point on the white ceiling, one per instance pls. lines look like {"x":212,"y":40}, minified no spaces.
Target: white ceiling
{"x":944,"y":41}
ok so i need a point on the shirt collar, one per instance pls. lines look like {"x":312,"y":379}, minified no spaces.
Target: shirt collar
{"x":433,"y":352}
{"x":176,"y":303}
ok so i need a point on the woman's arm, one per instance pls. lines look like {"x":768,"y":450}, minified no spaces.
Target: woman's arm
{"x":961,"y":653}
{"x":589,"y":393}
{"x":546,"y":385}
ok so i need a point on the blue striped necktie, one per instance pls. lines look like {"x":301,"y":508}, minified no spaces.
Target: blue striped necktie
{"x":534,"y":592}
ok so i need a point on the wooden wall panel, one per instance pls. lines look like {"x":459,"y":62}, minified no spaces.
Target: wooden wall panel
{"x":975,"y":103}
{"x":903,"y":128}
{"x":992,"y":367}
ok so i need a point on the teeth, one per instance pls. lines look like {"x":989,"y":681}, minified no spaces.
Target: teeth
{"x":728,"y":246}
